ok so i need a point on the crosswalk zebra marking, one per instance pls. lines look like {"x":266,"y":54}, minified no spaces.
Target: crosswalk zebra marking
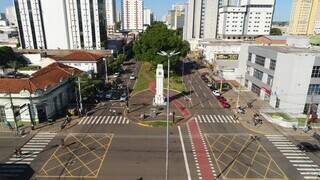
{"x":300,"y":160}
{"x":216,"y":119}
{"x":31,"y":149}
{"x":103,"y":120}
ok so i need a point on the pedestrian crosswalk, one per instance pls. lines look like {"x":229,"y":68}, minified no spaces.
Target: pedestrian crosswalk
{"x":299,"y":159}
{"x":89,"y":120}
{"x":32,"y":148}
{"x":216,"y":119}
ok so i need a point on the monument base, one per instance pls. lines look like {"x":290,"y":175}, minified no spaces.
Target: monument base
{"x":159,"y":101}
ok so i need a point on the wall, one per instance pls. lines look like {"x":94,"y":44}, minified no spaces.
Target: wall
{"x":55,"y":24}
{"x":291,"y":81}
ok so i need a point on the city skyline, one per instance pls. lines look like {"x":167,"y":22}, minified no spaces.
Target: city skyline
{"x":160,"y":8}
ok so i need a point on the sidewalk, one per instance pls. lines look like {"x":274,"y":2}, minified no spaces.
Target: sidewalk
{"x":258,"y":106}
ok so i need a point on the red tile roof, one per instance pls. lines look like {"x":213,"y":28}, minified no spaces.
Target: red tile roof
{"x":82,"y":56}
{"x":45,"y":77}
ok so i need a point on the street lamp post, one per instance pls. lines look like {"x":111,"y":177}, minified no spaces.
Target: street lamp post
{"x":169,"y":55}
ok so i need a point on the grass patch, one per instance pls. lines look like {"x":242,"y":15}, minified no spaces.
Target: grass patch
{"x":280,"y":115}
{"x":176,"y":83}
{"x":146,"y":74}
{"x":157,"y":123}
{"x":143,"y":78}
{"x":301,"y":121}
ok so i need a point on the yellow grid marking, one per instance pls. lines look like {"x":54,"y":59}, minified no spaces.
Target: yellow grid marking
{"x":93,"y":174}
{"x":256,"y":153}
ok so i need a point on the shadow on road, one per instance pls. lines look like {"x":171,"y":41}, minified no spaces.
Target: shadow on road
{"x":16,"y":172}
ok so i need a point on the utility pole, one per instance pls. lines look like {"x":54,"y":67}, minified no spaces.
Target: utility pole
{"x":80,"y":98}
{"x":106,"y":68}
{"x":239,"y":89}
{"x":14,"y":114}
{"x":220,"y":74}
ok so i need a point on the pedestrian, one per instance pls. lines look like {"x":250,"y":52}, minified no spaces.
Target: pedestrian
{"x":16,"y":152}
{"x":20,"y":152}
{"x":62,"y":142}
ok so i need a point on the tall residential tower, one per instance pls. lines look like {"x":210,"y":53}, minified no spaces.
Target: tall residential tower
{"x":61,"y":24}
{"x":132,"y":15}
{"x":305,"y":18}
{"x":111,"y":15}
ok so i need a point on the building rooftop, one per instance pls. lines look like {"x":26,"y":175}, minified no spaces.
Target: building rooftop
{"x":42,"y":79}
{"x":81,"y":56}
{"x":291,"y":49}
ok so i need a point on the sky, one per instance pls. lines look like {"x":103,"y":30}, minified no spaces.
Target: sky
{"x":160,"y":7}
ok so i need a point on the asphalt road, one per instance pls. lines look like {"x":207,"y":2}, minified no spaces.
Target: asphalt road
{"x":105,"y":145}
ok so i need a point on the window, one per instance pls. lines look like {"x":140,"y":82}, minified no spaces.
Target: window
{"x":314,"y":89}
{"x":258,"y":74}
{"x":256,"y":89}
{"x":272,"y":64}
{"x":2,"y":113}
{"x":250,"y":57}
{"x":260,"y":60}
{"x":315,"y":72}
{"x":270,"y":80}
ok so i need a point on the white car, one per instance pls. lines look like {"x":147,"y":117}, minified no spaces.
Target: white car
{"x":116,"y":75}
{"x":216,"y":93}
{"x":132,"y":77}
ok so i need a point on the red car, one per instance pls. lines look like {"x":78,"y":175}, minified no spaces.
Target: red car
{"x":225,"y":104}
{"x":221,"y":99}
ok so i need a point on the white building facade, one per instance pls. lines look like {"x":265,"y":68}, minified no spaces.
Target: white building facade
{"x":243,"y":19}
{"x":201,"y":19}
{"x":61,"y":24}
{"x":11,"y":16}
{"x":132,"y":15}
{"x":228,"y":19}
{"x":147,"y":17}
{"x":111,"y":15}
{"x":286,"y":77}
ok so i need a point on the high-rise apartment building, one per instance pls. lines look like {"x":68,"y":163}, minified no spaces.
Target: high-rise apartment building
{"x":11,"y":15}
{"x":228,"y":19}
{"x":147,"y":17}
{"x":61,"y":24}
{"x":176,"y":16}
{"x":201,"y":19}
{"x":132,"y":15}
{"x":111,"y":15}
{"x":242,"y":19}
{"x":305,"y":18}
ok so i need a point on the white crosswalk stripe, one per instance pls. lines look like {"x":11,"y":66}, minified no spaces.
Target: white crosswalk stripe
{"x":216,"y":119}
{"x":100,"y":120}
{"x":300,"y":160}
{"x":32,"y":148}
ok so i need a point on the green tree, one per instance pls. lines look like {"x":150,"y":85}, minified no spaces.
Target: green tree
{"x":276,"y":32}
{"x":9,"y":59}
{"x":114,"y":63}
{"x":89,"y":87}
{"x":156,"y":38}
{"x":6,"y":55}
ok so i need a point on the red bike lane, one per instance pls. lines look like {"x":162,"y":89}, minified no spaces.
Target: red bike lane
{"x":199,"y":148}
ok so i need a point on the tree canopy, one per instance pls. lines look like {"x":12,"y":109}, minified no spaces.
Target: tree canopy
{"x":9,"y":59}
{"x":156,"y":38}
{"x":276,"y":32}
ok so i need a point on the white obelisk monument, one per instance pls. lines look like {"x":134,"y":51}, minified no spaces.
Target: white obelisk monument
{"x":159,"y":98}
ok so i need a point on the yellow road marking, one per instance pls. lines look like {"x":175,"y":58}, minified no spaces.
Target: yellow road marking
{"x":79,"y":159}
{"x":103,"y":146}
{"x":85,"y":147}
{"x":63,"y":165}
{"x":104,"y":156}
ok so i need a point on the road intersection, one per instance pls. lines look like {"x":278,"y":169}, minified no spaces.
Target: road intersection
{"x":208,"y":145}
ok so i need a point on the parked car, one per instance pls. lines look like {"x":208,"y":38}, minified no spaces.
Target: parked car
{"x":225,"y":104}
{"x":216,"y":93}
{"x":221,"y":98}
{"x":123,"y":97}
{"x":117,"y":74}
{"x":108,"y":95}
{"x":132,"y":77}
{"x":308,"y":147}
